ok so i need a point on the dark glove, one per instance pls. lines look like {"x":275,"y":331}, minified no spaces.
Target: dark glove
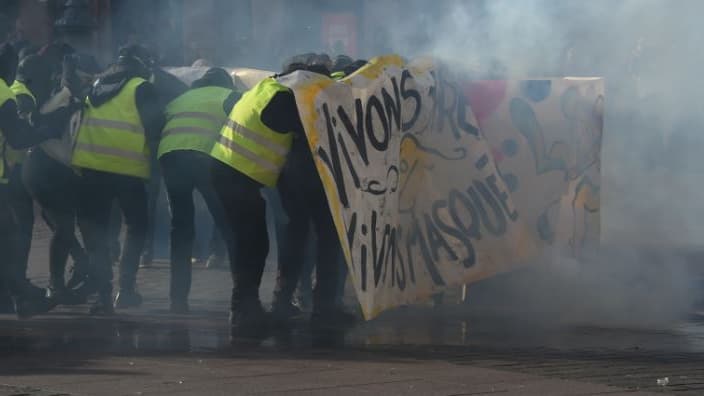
{"x":54,"y":124}
{"x":69,"y":77}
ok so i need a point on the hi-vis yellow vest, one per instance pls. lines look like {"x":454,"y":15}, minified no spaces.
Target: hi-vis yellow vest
{"x":17,"y":156}
{"x":194,"y":120}
{"x":249,"y":146}
{"x":111,"y":137}
{"x":5,"y":95}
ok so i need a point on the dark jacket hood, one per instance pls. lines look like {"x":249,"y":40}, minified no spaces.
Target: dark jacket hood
{"x":111,"y":82}
{"x":8,"y":63}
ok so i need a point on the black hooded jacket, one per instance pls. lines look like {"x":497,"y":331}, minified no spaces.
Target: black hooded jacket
{"x":218,"y":77}
{"x":17,"y":132}
{"x":149,"y":105}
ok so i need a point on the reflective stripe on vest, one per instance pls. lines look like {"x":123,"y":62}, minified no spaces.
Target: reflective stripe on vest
{"x":111,"y":137}
{"x":249,"y":146}
{"x":194,"y":120}
{"x":5,"y":95}
{"x":17,"y":156}
{"x":338,"y":75}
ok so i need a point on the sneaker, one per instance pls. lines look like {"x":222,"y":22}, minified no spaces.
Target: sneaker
{"x":30,"y":290}
{"x":249,"y":316}
{"x":284,"y":312}
{"x":26,"y":307}
{"x":333,"y":316}
{"x":64,"y":296}
{"x":179,"y":307}
{"x":127,"y":298}
{"x":304,"y":301}
{"x":76,"y":279}
{"x":85,"y":289}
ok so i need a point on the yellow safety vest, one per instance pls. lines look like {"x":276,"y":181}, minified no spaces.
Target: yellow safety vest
{"x":111,"y":137}
{"x":194,"y":120}
{"x":249,"y":146}
{"x":5,"y":95}
{"x":17,"y":156}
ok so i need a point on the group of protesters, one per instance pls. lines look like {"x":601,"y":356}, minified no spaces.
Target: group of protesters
{"x":90,"y":145}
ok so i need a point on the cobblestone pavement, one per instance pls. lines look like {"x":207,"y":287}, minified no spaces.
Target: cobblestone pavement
{"x":446,"y":350}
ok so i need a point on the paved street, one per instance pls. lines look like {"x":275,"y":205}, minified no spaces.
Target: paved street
{"x":421,"y":350}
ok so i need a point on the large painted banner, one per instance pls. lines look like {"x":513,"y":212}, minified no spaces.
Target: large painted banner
{"x":428,"y":194}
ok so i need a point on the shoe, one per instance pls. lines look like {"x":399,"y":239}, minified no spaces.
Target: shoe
{"x":304,"y":301}
{"x":30,"y":290}
{"x":64,"y":296}
{"x":127,"y":298}
{"x":179,"y":307}
{"x":102,"y":308}
{"x":85,"y":289}
{"x":333,"y":316}
{"x":77,"y":278}
{"x":26,"y":307}
{"x":284,"y":312}
{"x":215,"y":262}
{"x":249,"y":316}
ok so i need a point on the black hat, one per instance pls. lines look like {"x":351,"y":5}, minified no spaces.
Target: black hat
{"x":8,"y":63}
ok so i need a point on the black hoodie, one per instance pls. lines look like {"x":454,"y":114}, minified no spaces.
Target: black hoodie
{"x":149,"y":105}
{"x":17,"y":132}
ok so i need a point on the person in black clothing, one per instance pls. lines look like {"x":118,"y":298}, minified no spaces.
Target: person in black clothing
{"x":185,"y":169}
{"x":303,"y":198}
{"x":168,"y":87}
{"x":99,"y":189}
{"x":245,"y":211}
{"x":19,"y":134}
{"x":35,"y":74}
{"x":53,"y":184}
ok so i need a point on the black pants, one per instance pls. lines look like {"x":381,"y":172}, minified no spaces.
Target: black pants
{"x":153,"y":187}
{"x":185,"y":172}
{"x":9,"y":273}
{"x":245,"y":212}
{"x":303,"y":199}
{"x":97,"y":192}
{"x":23,"y":208}
{"x":55,"y":188}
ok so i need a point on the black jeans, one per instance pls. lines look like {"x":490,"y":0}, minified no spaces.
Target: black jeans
{"x":184,"y":172}
{"x":304,"y":201}
{"x":245,"y":212}
{"x":55,"y":188}
{"x":23,"y":208}
{"x":97,"y":192}
{"x":153,"y":187}
{"x":8,"y":246}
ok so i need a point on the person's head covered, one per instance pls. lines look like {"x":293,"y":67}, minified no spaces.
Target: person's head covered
{"x":137,"y":60}
{"x":35,"y":73}
{"x":340,"y":62}
{"x":214,"y":77}
{"x":8,"y":63}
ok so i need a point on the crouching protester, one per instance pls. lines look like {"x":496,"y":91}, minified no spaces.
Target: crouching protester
{"x":193,"y":123}
{"x":263,"y":140}
{"x":306,"y":206}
